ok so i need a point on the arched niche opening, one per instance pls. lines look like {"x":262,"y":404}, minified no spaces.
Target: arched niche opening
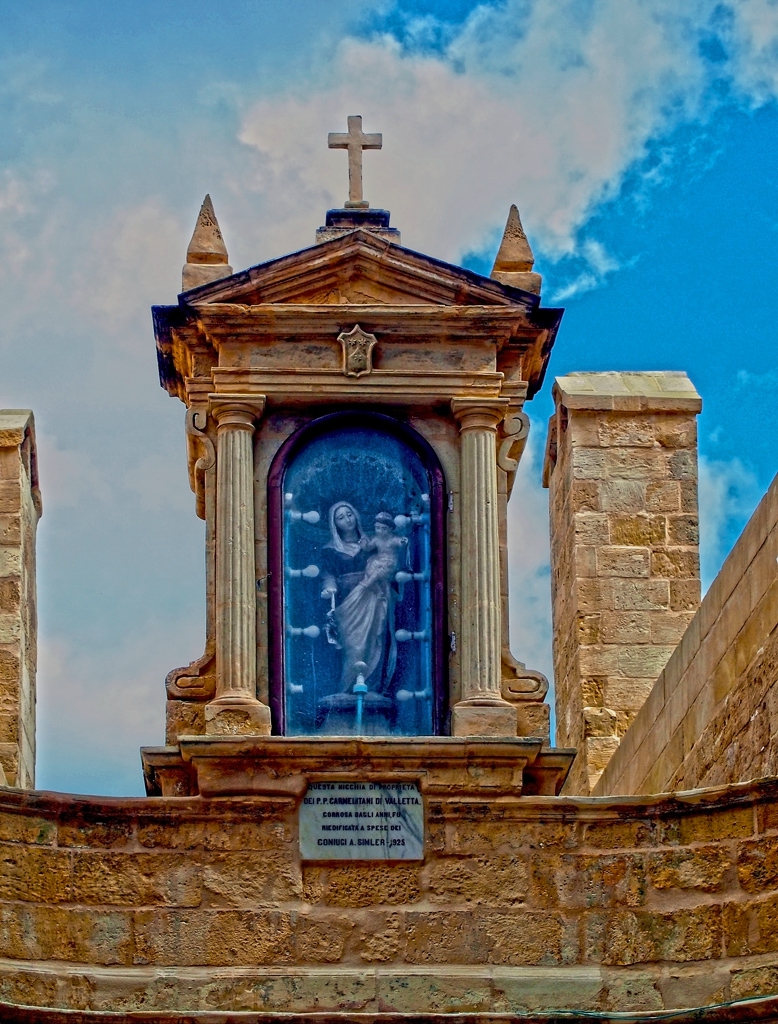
{"x":356,"y":543}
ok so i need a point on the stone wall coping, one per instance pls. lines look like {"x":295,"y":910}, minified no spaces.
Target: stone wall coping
{"x":67,"y":806}
{"x":638,"y":391}
{"x":14,"y":423}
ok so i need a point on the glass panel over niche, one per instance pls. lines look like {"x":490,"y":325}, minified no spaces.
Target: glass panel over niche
{"x":359,"y":566}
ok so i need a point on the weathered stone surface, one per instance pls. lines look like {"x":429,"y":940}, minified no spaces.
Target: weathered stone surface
{"x":484,"y":721}
{"x":361,"y":884}
{"x":702,"y":868}
{"x":712,"y":717}
{"x":184,"y":718}
{"x":486,"y":881}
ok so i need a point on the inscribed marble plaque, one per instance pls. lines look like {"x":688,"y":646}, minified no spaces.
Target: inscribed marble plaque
{"x":362,"y":821}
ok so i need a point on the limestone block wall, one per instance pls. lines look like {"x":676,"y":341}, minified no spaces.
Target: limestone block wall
{"x":621,"y":465}
{"x":712,"y":716}
{"x":20,"y":509}
{"x":542,"y":903}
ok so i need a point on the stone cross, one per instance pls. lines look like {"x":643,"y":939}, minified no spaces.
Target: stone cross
{"x":355,"y":141}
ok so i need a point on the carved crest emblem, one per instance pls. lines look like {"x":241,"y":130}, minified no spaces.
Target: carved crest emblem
{"x":357,"y":351}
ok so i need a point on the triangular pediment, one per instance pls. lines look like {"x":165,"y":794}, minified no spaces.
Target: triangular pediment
{"x":359,"y":268}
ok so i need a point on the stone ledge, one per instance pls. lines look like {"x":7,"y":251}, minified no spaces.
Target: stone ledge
{"x":280,"y":766}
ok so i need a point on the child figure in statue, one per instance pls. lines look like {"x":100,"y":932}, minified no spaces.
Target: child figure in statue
{"x":387,"y":545}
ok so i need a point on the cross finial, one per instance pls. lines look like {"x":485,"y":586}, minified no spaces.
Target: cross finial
{"x":355,"y":141}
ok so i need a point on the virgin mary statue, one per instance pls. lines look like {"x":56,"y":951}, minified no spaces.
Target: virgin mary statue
{"x":357,"y":583}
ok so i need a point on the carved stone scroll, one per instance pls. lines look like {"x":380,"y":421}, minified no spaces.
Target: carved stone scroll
{"x":514,"y":431}
{"x":196,"y":420}
{"x":196,"y":681}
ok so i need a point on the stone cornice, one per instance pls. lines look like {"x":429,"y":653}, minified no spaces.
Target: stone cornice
{"x":317,"y":293}
{"x":425,"y":321}
{"x":196,"y":337}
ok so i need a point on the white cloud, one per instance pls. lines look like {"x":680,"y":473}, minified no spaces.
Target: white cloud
{"x":69,"y":477}
{"x":130,"y":254}
{"x":472,"y":143}
{"x":728,"y":494}
{"x":23,"y":228}
{"x":554,"y":139}
{"x":766,"y":380}
{"x":752,"y":38}
{"x":150,"y":479}
{"x":546,"y":103}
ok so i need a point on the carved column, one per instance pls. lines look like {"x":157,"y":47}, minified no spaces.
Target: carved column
{"x":481,"y":710}
{"x":235,"y":709}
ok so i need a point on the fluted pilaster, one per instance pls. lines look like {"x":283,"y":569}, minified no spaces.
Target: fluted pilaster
{"x":481,"y":710}
{"x":235,"y":709}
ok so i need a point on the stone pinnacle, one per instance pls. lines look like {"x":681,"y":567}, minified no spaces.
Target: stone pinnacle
{"x":514,"y":255}
{"x":207,"y":244}
{"x":206,"y":257}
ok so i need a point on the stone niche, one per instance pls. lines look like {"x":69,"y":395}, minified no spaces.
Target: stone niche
{"x":354,"y":424}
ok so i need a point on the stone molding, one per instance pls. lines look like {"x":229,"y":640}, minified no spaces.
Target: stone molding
{"x":545,"y":990}
{"x":629,"y":391}
{"x":395,"y":387}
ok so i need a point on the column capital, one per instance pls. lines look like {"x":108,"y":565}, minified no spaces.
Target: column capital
{"x":475,"y":413}
{"x":238,"y":411}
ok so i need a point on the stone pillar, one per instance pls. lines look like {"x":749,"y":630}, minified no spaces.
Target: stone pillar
{"x":20,"y":509}
{"x":235,"y":708}
{"x":621,"y":465}
{"x":481,"y":711}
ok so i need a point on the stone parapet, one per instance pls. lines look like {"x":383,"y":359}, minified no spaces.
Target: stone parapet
{"x":712,"y":717}
{"x":621,"y":465}
{"x":20,"y":509}
{"x":187,"y":905}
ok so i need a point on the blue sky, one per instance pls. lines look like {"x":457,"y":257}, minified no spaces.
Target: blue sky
{"x":638,"y":139}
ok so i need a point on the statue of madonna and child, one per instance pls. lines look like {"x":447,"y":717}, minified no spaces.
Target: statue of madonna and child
{"x":358,"y":572}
